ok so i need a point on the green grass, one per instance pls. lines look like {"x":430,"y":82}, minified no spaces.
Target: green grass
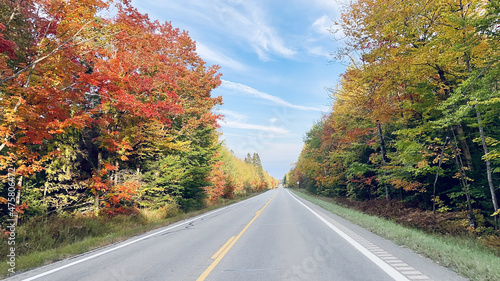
{"x":464,"y":255}
{"x":112,"y":231}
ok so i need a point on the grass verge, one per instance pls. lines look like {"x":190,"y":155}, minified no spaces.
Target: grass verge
{"x":115,"y":231}
{"x":464,"y":255}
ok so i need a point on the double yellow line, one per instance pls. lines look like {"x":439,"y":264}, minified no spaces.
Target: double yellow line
{"x":217,"y":257}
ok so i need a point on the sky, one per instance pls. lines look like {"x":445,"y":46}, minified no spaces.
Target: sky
{"x":276,"y":65}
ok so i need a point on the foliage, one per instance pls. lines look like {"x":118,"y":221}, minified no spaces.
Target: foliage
{"x":415,"y":117}
{"x":106,"y":114}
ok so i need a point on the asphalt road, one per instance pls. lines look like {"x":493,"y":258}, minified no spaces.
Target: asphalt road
{"x":273,"y":236}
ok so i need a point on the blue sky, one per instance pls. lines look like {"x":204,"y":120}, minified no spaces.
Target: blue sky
{"x":275,"y":58}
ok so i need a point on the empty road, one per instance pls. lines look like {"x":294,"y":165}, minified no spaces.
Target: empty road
{"x":273,"y":236}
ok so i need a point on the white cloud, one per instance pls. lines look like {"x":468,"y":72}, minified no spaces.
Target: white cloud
{"x":266,"y":40}
{"x":322,"y":25}
{"x":240,"y":88}
{"x":246,"y":126}
{"x":218,"y":58}
{"x":237,"y":120}
{"x":333,"y":7}
{"x":318,"y":51}
{"x":246,"y":21}
{"x":278,"y":151}
{"x":233,"y":114}
{"x":320,"y":30}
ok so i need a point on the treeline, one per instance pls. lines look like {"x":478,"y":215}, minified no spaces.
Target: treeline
{"x":416,"y":114}
{"x":103,"y":113}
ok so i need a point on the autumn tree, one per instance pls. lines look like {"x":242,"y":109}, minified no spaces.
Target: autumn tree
{"x":40,"y":69}
{"x":90,"y":102}
{"x":415,"y":109}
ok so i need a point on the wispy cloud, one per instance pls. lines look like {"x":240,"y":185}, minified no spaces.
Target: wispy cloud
{"x":218,"y":58}
{"x":333,"y":7}
{"x":237,"y":120}
{"x":318,"y":51}
{"x":318,"y":31}
{"x":266,"y":40}
{"x":322,"y":25}
{"x":244,"y":89}
{"x":246,"y":126}
{"x":233,"y":115}
{"x":247,"y":21}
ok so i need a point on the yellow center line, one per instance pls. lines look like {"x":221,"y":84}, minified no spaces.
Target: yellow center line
{"x":222,"y":248}
{"x":229,"y":244}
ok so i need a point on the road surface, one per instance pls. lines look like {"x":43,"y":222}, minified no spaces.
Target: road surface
{"x":273,"y":236}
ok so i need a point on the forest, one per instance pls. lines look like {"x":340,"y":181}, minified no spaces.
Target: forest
{"x":415,"y":116}
{"x":104,"y":111}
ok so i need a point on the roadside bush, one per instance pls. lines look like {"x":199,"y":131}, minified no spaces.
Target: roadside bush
{"x":43,"y":233}
{"x":446,"y":223}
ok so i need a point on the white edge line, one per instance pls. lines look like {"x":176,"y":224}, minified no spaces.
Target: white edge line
{"x":396,"y":275}
{"x":128,"y":243}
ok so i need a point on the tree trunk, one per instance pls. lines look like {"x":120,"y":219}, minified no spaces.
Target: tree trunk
{"x":96,"y":198}
{"x":138,"y":173}
{"x":463,"y":181}
{"x":437,"y":175}
{"x":465,"y":147}
{"x":18,"y":198}
{"x":115,"y":178}
{"x":384,"y":157}
{"x":488,"y":164}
